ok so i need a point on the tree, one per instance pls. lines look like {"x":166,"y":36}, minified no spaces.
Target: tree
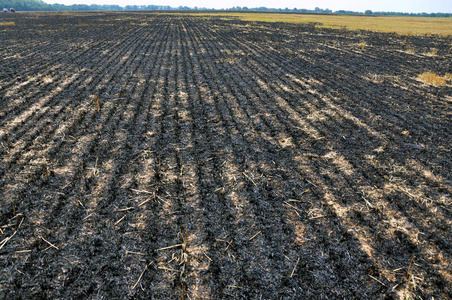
{"x":368,"y":12}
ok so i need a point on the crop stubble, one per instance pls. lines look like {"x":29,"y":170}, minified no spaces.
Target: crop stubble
{"x":224,"y":159}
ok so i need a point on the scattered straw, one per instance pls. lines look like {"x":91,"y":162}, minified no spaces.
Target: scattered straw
{"x":50,"y":244}
{"x":23,"y":251}
{"x":169,"y":247}
{"x":250,"y":179}
{"x":141,"y":191}
{"x":168,"y":269}
{"x":368,"y":203}
{"x":124,"y":209}
{"x":255,"y":235}
{"x":293,"y":271}
{"x":3,"y":243}
{"x":377,"y":280}
{"x":300,"y":201}
{"x":16,"y":216}
{"x":119,"y":221}
{"x":410,"y":268}
{"x":206,"y":255}
{"x":144,"y":202}
{"x":133,"y":252}
{"x":141,"y":276}
{"x":291,"y":206}
{"x":229,"y":244}
{"x":87,"y":216}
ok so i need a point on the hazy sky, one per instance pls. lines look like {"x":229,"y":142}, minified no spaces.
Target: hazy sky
{"x":354,"y":5}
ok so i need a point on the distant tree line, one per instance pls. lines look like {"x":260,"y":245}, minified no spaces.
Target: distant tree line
{"x":423,"y":14}
{"x":343,"y":12}
{"x":39,"y":5}
{"x":34,"y":5}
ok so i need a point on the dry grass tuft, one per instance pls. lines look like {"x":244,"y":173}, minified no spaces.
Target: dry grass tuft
{"x":433,"y":79}
{"x":363,"y":44}
{"x":433,"y":52}
{"x":96,"y":101}
{"x":410,"y":50}
{"x":448,"y":76}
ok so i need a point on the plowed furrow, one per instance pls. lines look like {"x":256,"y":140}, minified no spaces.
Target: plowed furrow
{"x":232,"y":168}
{"x":43,"y":130}
{"x":354,"y":192}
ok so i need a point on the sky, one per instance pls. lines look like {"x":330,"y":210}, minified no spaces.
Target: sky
{"x":409,"y":6}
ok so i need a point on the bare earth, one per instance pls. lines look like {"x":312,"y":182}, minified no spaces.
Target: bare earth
{"x":163,"y":156}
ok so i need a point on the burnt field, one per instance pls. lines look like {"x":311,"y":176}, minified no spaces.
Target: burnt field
{"x":190,"y":157}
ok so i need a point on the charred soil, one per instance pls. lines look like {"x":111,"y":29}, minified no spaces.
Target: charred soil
{"x":164,"y":156}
